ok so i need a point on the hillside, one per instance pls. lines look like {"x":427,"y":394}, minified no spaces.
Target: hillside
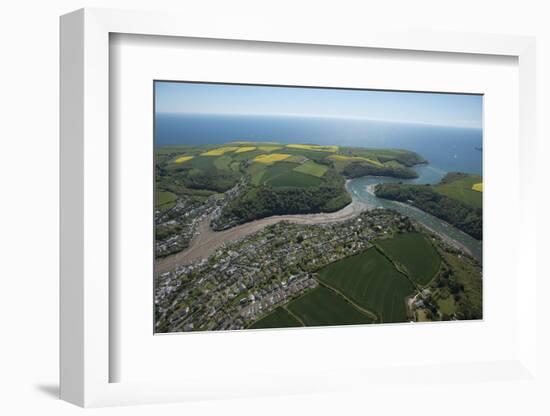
{"x":457,"y":199}
{"x":268,"y":178}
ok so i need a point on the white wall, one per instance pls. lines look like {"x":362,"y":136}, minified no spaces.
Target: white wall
{"x":29,"y":207}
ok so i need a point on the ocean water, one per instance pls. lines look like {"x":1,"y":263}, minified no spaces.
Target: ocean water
{"x":446,"y":148}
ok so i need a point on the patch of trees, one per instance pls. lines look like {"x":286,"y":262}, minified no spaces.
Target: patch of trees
{"x":357,"y":169}
{"x":266,"y":201}
{"x":457,"y":213}
{"x":211,"y":179}
{"x":465,"y":308}
{"x":408,"y":159}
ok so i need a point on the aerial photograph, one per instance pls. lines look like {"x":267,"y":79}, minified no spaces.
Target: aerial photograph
{"x":288,"y":206}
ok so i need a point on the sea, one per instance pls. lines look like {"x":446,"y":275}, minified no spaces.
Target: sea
{"x":446,"y":148}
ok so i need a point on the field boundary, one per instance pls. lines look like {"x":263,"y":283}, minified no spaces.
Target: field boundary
{"x":368,"y":312}
{"x":395,"y":265}
{"x":292,"y":313}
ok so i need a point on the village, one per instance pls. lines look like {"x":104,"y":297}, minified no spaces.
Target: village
{"x":245,"y":280}
{"x":176,"y":227}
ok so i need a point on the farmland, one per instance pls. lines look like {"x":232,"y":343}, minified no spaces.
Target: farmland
{"x":279,"y":318}
{"x":312,"y":168}
{"x":317,"y":275}
{"x":269,"y":148}
{"x":271,"y":158}
{"x":220,"y":151}
{"x":289,"y":175}
{"x":182,"y":159}
{"x":245,"y":149}
{"x":355,"y":162}
{"x":370,"y":280}
{"x":313,"y":147}
{"x":276,"y":178}
{"x":321,"y":306}
{"x":414,"y":255}
{"x":462,"y":187}
{"x":342,"y":158}
{"x":368,"y":287}
{"x":294,"y":179}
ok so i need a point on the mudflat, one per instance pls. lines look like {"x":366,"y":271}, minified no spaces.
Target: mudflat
{"x":207,"y":241}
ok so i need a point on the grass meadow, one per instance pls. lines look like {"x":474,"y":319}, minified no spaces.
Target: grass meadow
{"x":321,"y":306}
{"x":413,"y":253}
{"x":370,"y":280}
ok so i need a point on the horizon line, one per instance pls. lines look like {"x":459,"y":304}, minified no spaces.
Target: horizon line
{"x":329,"y":116}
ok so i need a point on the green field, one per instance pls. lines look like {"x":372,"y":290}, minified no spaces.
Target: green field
{"x":165,"y":200}
{"x":281,"y":174}
{"x":256,"y":172}
{"x":348,"y":159}
{"x":312,"y":168}
{"x":295,"y":179}
{"x":371,"y":281}
{"x":460,"y":187}
{"x":199,"y":163}
{"x":223,"y":162}
{"x":271,"y":158}
{"x":321,"y":306}
{"x":447,"y":306}
{"x":275,"y":170}
{"x":284,"y":179}
{"x":218,"y":151}
{"x":413,"y":253}
{"x":279,"y":318}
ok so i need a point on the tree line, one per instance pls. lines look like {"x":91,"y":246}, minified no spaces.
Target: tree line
{"x":355,"y":170}
{"x":455,"y":212}
{"x":266,"y":201}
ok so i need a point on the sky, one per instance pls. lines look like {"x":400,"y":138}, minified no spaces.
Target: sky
{"x":458,"y":110}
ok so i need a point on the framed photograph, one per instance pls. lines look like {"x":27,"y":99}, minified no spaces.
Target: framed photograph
{"x":263,"y":221}
{"x":245,"y":214}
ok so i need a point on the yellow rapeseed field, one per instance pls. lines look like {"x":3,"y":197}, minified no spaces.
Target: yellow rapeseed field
{"x":478,"y":187}
{"x":313,"y":147}
{"x":342,"y":157}
{"x":220,"y":151}
{"x":271,"y":158}
{"x":182,"y":159}
{"x":245,"y":149}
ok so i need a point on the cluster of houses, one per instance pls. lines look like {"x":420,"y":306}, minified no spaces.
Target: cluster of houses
{"x":244,"y":280}
{"x":175,"y":227}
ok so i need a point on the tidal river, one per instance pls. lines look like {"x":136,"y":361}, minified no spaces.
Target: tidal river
{"x":362,"y":190}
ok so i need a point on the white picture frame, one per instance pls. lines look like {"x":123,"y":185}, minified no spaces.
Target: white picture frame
{"x":85,"y":210}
